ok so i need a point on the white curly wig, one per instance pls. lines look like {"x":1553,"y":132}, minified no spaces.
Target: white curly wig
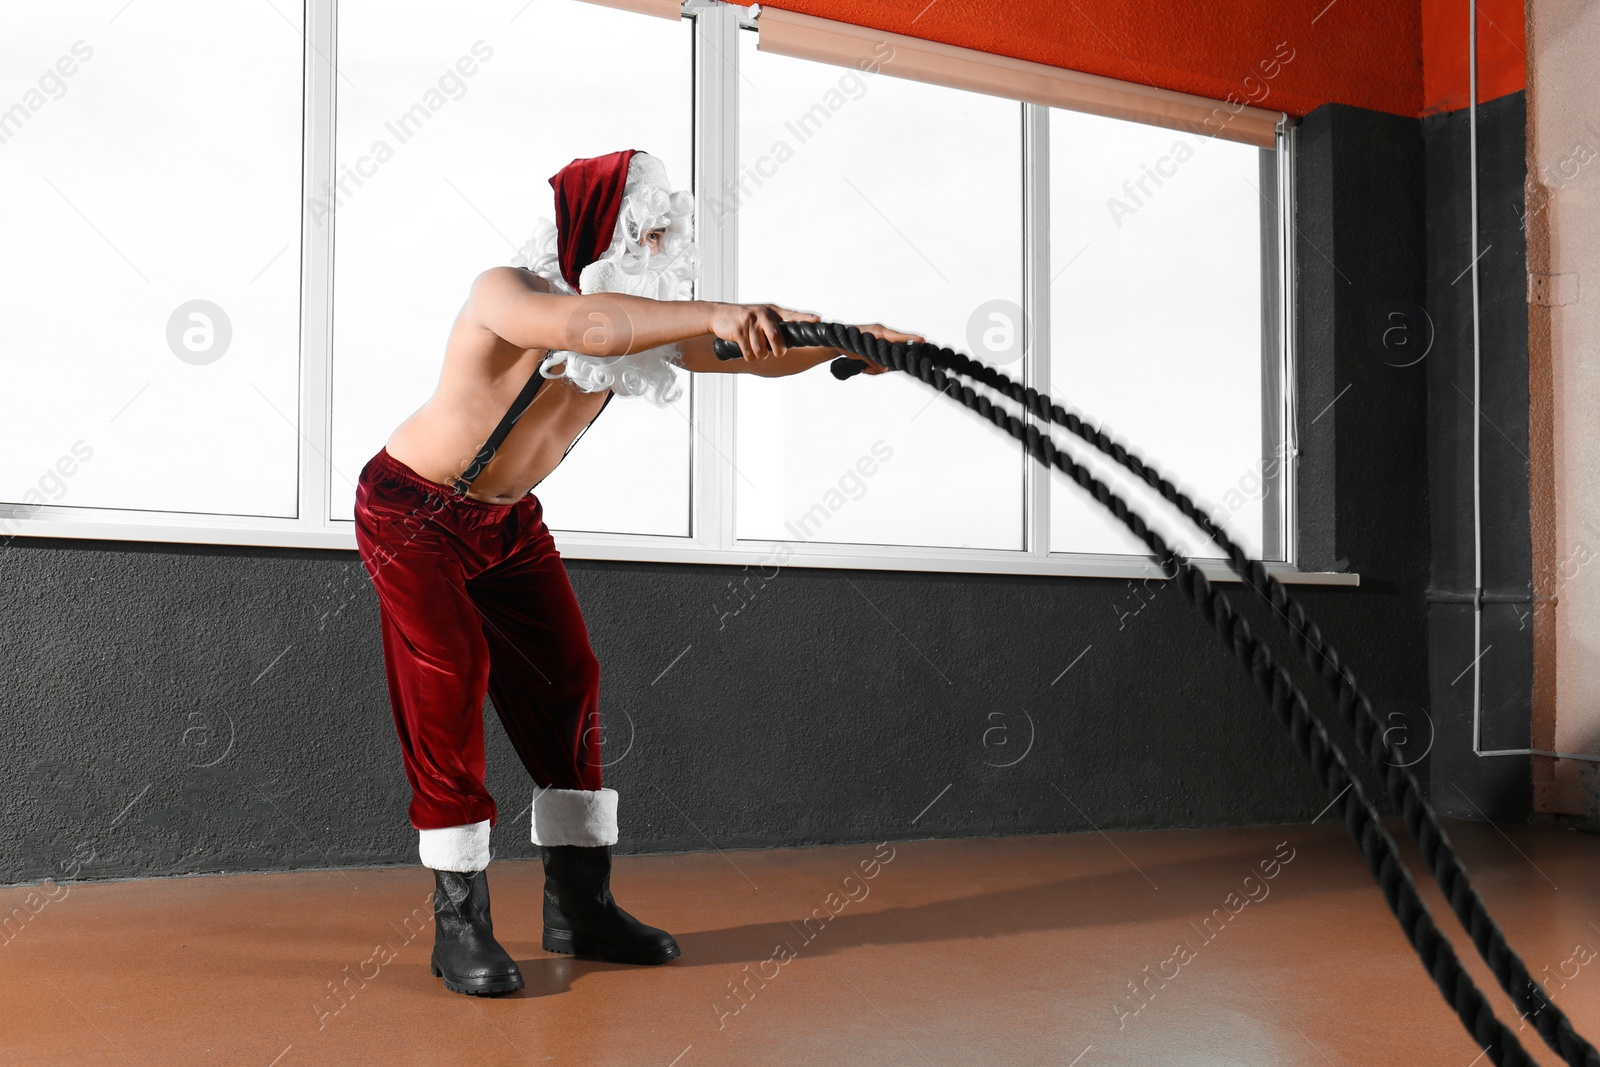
{"x":627,"y":266}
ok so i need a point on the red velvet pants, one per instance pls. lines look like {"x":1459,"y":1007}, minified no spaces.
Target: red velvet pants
{"x":474,"y":599}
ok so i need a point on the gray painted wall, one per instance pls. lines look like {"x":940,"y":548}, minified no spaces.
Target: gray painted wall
{"x":1384,"y":232}
{"x":1465,"y":784}
{"x":1363,"y":418}
{"x":150,"y":729}
{"x":186,"y":709}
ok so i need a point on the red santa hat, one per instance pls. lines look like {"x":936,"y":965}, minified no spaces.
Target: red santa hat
{"x":588,"y":196}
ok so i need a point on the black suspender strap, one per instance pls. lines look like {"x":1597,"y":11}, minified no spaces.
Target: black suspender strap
{"x":585,"y":429}
{"x":491,"y":446}
{"x":513,"y":413}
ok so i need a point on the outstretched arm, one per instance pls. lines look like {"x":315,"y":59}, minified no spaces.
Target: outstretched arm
{"x":514,"y":305}
{"x":518,"y":307}
{"x":698,"y":355}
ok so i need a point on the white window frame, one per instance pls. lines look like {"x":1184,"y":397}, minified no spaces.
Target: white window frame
{"x":712,"y":537}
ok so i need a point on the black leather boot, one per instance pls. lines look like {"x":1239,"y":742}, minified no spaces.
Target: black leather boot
{"x":465,"y":953}
{"x":581,"y":919}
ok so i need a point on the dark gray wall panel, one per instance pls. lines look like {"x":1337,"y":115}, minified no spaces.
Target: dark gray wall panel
{"x":1465,"y":784}
{"x":180,"y":709}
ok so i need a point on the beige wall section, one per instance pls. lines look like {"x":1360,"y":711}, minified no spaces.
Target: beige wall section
{"x":1563,"y":229}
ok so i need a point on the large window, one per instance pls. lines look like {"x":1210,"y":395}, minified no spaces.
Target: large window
{"x":460,"y":114}
{"x":207,"y":340}
{"x":865,"y":199}
{"x":149,"y":284}
{"x":1156,"y":310}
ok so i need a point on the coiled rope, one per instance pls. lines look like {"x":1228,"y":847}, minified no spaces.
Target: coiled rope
{"x":933,"y":365}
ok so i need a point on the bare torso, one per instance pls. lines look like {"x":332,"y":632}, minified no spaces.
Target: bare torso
{"x":482,"y":375}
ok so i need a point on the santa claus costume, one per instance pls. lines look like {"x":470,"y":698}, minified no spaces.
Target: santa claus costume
{"x":474,"y":600}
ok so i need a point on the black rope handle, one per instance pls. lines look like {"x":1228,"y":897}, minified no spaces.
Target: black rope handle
{"x":842,"y":368}
{"x":929,"y":363}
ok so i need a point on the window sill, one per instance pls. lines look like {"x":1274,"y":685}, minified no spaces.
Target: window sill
{"x":93,"y":525}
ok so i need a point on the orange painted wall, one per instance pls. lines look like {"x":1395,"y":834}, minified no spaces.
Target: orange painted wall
{"x":1387,"y":55}
{"x":1502,"y":52}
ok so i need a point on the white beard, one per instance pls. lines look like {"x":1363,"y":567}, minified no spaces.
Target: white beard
{"x":668,"y":275}
{"x":660,"y":277}
{"x":648,"y":372}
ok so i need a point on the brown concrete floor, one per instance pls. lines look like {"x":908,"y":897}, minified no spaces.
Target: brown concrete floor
{"x":1002,"y":951}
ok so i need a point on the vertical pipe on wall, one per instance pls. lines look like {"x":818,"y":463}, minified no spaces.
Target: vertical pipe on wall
{"x":1477,"y":379}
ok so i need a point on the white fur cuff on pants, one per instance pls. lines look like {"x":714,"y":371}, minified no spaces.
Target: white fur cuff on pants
{"x":455,"y":848}
{"x":575,"y":817}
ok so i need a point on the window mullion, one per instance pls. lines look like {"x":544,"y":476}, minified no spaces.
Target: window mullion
{"x":316,"y":266}
{"x":1036,"y":310}
{"x":716,"y":135}
{"x":1272,"y":383}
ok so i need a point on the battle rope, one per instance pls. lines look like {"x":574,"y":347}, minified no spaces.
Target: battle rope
{"x":929,"y":363}
{"x":1551,"y":1023}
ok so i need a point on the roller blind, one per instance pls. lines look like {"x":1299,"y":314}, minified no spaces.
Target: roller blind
{"x":666,"y":9}
{"x":826,"y":41}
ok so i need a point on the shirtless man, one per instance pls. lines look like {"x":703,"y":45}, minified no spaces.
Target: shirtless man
{"x":473,"y":596}
{"x":512,"y":321}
